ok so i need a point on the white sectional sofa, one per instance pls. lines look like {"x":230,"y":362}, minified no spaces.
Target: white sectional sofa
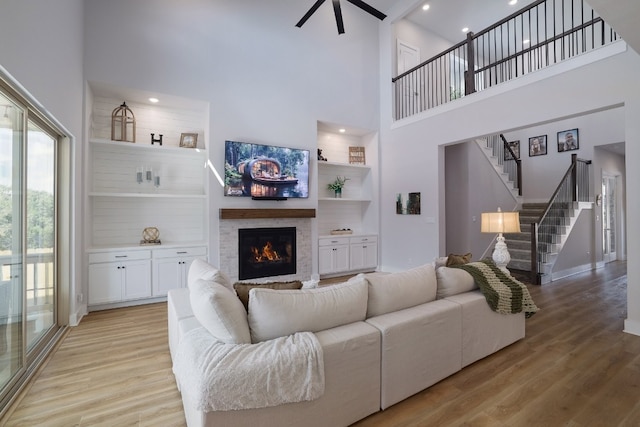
{"x":383,"y":338}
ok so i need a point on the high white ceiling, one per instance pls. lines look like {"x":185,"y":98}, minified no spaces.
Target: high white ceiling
{"x":447,"y":18}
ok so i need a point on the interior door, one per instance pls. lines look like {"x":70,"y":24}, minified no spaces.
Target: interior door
{"x":609,"y":218}
{"x":409,"y":87}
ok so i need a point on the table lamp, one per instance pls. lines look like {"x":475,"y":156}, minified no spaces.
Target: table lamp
{"x":500,"y":222}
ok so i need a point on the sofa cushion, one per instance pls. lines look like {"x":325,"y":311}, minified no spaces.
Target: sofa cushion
{"x":243,"y":288}
{"x":274,"y":313}
{"x":220,"y":312}
{"x":200,"y":269}
{"x":396,"y":291}
{"x":454,"y":259}
{"x":453,"y":281}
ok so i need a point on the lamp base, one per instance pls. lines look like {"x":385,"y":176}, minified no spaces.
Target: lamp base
{"x":501,"y":255}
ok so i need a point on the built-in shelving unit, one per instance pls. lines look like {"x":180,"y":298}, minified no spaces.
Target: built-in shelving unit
{"x":356,"y":209}
{"x":131,"y":186}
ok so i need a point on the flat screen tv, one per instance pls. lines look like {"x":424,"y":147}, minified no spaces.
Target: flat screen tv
{"x":265,"y":171}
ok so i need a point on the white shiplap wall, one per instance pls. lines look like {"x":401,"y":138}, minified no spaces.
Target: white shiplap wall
{"x":119,"y":207}
{"x":149,"y":119}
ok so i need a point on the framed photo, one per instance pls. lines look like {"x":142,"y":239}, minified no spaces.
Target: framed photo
{"x":189,"y":140}
{"x":568,"y":140}
{"x":538,"y":145}
{"x":515,"y":147}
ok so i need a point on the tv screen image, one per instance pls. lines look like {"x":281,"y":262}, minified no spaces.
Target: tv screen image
{"x":265,"y":171}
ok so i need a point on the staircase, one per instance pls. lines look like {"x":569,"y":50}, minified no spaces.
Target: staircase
{"x":551,"y":237}
{"x":493,"y":149}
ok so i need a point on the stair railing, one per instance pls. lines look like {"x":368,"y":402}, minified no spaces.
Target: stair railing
{"x":574,"y":187}
{"x":539,"y":35}
{"x":511,"y":163}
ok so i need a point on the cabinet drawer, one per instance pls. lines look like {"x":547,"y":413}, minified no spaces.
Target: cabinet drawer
{"x":333,"y":241}
{"x":364,"y":239}
{"x":118,"y":256}
{"x":180,"y":252}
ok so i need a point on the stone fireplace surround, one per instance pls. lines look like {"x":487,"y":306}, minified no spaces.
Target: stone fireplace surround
{"x":231,"y":220}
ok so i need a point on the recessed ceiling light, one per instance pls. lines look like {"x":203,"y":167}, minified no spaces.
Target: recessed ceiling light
{"x":512,"y":2}
{"x":342,"y":130}
{"x":525,"y":41}
{"x":425,"y":7}
{"x":154,"y":100}
{"x":465,"y":30}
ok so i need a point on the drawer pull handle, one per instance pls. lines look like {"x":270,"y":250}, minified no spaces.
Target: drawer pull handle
{"x":121,"y":256}
{"x":182,"y":252}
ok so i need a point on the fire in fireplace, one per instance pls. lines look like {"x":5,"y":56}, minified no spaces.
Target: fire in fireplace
{"x":265,"y":252}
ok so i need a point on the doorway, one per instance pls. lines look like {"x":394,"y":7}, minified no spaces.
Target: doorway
{"x":609,"y":218}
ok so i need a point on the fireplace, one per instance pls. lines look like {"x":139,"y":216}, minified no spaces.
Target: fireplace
{"x":264,"y":252}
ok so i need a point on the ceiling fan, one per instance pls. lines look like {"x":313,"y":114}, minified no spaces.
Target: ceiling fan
{"x":338,"y":12}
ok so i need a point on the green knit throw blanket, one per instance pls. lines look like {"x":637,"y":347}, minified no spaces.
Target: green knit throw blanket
{"x":503,"y":293}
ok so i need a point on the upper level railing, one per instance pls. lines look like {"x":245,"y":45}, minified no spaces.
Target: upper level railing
{"x":574,"y":187}
{"x":542,"y":34}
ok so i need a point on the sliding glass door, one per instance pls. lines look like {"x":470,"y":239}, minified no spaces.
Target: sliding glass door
{"x":28,"y":223}
{"x":12,"y":347}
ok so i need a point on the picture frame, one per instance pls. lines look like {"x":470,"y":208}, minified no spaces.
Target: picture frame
{"x":568,"y":140}
{"x":189,"y":140}
{"x":538,"y":145}
{"x":515,"y":147}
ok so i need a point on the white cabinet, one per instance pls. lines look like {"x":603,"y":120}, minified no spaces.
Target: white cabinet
{"x":346,"y":254}
{"x":119,"y":276}
{"x":171,"y":267}
{"x":363,"y":253}
{"x":333,"y":255}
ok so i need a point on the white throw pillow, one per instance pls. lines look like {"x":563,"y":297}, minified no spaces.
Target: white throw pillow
{"x":453,"y":281}
{"x":397,"y":291}
{"x":280,"y":313}
{"x":220,"y":311}
{"x":201,"y":269}
{"x":440,"y":261}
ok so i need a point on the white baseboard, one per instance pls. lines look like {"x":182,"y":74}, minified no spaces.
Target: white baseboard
{"x":632,"y":327}
{"x":574,"y":270}
{"x":75,"y":318}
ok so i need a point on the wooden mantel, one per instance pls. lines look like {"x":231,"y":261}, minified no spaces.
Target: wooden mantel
{"x":266,"y":213}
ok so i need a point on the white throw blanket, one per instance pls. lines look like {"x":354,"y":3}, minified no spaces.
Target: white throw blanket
{"x":222,"y":377}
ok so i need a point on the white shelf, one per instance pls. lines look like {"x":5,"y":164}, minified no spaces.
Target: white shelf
{"x":363,"y":168}
{"x":148,"y":147}
{"x":164,"y":245}
{"x":342,"y":199}
{"x":150,"y":195}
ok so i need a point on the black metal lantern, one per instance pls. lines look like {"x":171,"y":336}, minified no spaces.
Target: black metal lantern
{"x":123,"y":124}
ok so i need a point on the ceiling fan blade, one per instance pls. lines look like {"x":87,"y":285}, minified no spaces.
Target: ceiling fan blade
{"x":338,"y":12}
{"x":362,"y":5}
{"x":310,"y":12}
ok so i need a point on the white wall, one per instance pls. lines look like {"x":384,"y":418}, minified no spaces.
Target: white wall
{"x":429,"y":43}
{"x":266,"y":80}
{"x":589,"y":83}
{"x":41,"y":48}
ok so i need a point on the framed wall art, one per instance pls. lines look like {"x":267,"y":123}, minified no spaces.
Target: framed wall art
{"x":515,"y":147}
{"x":568,"y":140}
{"x":538,"y":145}
{"x":189,"y":140}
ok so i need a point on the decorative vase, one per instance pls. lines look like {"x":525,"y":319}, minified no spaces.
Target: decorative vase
{"x":338,"y":193}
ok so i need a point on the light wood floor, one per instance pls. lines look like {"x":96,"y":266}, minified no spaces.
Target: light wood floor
{"x":574,"y":368}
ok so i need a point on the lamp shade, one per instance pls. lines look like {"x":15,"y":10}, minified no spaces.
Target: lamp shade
{"x":500,"y":222}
